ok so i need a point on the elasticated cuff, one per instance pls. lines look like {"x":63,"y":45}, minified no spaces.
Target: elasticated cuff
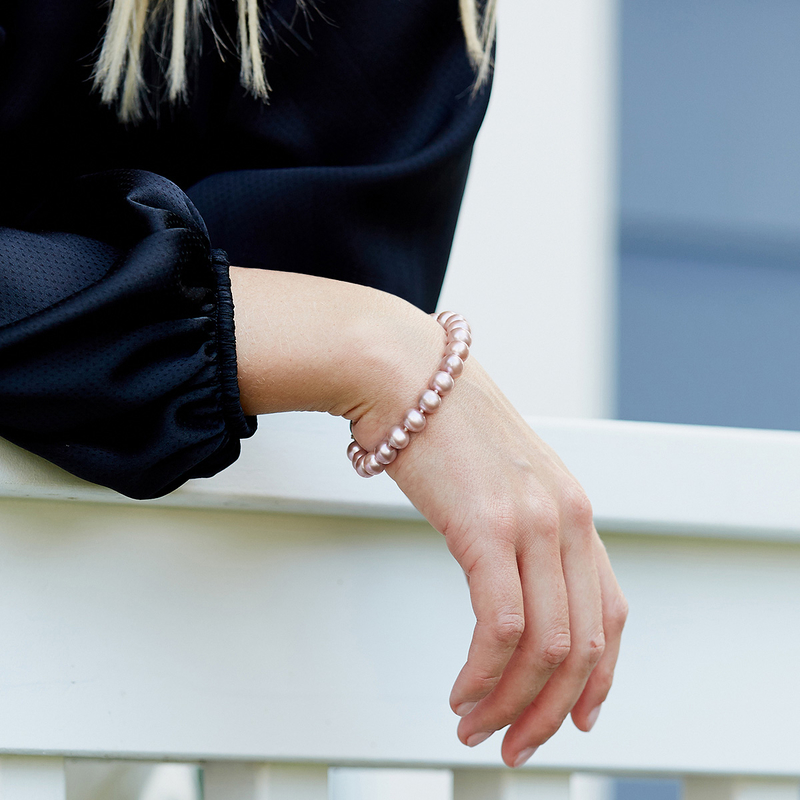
{"x":238,"y":423}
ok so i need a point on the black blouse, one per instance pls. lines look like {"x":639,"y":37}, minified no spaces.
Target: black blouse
{"x":117,"y":349}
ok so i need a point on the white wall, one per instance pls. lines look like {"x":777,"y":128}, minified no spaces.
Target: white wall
{"x":533,"y":262}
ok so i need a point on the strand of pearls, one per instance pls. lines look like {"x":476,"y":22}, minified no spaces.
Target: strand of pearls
{"x":459,"y":339}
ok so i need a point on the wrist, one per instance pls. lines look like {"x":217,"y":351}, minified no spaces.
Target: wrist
{"x":369,"y":461}
{"x":305,"y":343}
{"x":400,"y":355}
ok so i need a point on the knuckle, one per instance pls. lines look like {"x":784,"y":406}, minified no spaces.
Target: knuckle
{"x":592,"y":651}
{"x":481,"y":685}
{"x":577,"y":506}
{"x":547,"y":520}
{"x":555,"y":649}
{"x":508,"y":627}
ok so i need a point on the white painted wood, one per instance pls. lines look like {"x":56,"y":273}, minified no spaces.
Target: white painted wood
{"x":533,"y":258}
{"x":252,"y":781}
{"x":336,"y":640}
{"x":109,"y":779}
{"x":586,"y":786}
{"x":509,"y":784}
{"x":172,"y":782}
{"x":527,"y":785}
{"x":92,"y":779}
{"x":724,"y":788}
{"x":390,"y":784}
{"x":32,"y":778}
{"x":641,"y":477}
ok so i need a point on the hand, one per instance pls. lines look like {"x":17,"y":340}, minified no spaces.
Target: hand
{"x":549,"y":610}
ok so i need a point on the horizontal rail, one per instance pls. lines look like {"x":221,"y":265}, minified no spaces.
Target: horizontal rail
{"x":646,"y":478}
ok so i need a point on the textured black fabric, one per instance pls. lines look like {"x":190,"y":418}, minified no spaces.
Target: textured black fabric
{"x":117,"y":348}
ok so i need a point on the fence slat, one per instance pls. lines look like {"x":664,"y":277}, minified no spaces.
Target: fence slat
{"x":740,"y":789}
{"x":588,"y":786}
{"x":32,"y":778}
{"x":223,"y":780}
{"x":506,"y":784}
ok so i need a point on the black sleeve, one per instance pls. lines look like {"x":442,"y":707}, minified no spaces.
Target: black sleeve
{"x":387,"y":225}
{"x":372,"y":127}
{"x":117,"y":349}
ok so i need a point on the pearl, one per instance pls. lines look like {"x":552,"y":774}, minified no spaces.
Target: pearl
{"x":415,"y":420}
{"x":372,"y":465}
{"x":456,"y":323}
{"x":359,"y":465}
{"x":452,"y":364}
{"x":461,"y":335}
{"x":354,"y":450}
{"x":458,"y":342}
{"x":429,"y":401}
{"x":385,"y":453}
{"x":459,"y":349}
{"x":398,"y":438}
{"x":442,"y":382}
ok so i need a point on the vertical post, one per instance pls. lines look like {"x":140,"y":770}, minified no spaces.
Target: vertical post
{"x":32,"y":778}
{"x":381,"y":783}
{"x":224,"y":780}
{"x":534,"y":258}
{"x":506,"y":784}
{"x":588,"y":786}
{"x":721,"y":788}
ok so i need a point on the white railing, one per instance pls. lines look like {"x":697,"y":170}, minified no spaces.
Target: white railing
{"x":284,"y":618}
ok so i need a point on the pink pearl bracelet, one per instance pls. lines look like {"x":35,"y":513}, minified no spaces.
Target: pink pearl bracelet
{"x":459,"y":339}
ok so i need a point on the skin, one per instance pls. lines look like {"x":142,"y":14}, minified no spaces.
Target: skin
{"x":549,"y":612}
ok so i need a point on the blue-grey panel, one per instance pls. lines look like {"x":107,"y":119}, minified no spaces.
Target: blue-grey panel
{"x":638,"y":789}
{"x":707,"y":342}
{"x":710,"y":128}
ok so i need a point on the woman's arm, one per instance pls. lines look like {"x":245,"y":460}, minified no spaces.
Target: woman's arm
{"x":117,"y":351}
{"x":549,"y":610}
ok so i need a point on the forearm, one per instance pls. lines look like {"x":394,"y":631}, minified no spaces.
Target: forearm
{"x":548,"y":607}
{"x":312,"y":344}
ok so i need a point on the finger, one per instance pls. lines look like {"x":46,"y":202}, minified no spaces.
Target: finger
{"x":615,"y":613}
{"x":546,"y":714}
{"x":544,"y":644}
{"x":496,"y":595}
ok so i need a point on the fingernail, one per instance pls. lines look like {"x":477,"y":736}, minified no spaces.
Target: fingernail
{"x":524,"y":756}
{"x":592,"y":716}
{"x":464,"y":709}
{"x":477,"y":738}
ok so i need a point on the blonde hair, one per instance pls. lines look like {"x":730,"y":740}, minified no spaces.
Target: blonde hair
{"x":118,"y":73}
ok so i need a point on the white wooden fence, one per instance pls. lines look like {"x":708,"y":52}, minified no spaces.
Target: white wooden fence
{"x":279,"y":620}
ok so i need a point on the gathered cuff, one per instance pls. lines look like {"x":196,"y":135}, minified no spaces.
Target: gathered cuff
{"x":118,"y":360}
{"x":238,"y":423}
